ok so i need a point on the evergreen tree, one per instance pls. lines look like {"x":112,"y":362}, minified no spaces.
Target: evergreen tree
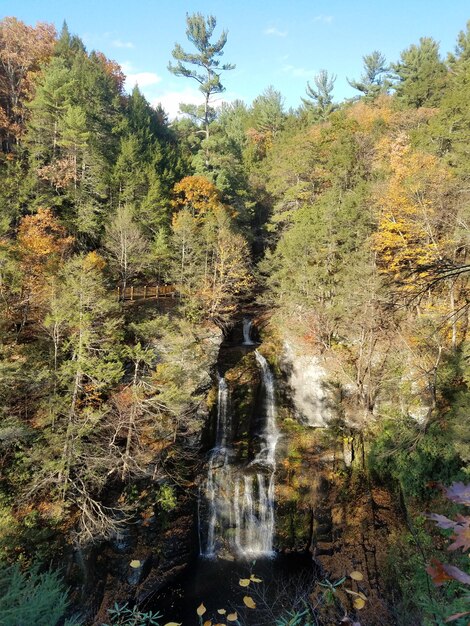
{"x":420,"y":75}
{"x":199,"y":32}
{"x":320,"y":104}
{"x":32,"y":597}
{"x":374,"y":79}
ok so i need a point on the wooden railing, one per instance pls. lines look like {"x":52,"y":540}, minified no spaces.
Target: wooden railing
{"x":146,"y":292}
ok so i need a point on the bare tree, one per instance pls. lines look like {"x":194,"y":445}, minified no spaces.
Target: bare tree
{"x":126,"y":246}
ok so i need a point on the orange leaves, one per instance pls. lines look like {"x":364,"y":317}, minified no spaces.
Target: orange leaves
{"x":197,"y":194}
{"x":442,"y":573}
{"x":23,"y":49}
{"x":40,"y":236}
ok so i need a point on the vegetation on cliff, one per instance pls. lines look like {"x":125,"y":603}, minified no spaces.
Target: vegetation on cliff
{"x":348,"y":220}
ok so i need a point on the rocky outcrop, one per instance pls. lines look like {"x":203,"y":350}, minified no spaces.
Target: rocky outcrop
{"x":311,"y":395}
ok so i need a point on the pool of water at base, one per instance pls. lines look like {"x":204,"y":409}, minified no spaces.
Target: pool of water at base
{"x":286,"y":579}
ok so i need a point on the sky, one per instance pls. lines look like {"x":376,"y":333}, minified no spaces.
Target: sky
{"x":283,"y":43}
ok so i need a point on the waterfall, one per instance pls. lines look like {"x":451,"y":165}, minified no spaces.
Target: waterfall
{"x":247,"y":324}
{"x":270,"y":434}
{"x":239,"y":500}
{"x":217,"y":460}
{"x":223,"y":425}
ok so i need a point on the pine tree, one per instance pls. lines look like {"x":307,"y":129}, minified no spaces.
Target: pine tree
{"x":320,"y":104}
{"x":373,"y":81}
{"x":420,"y":75}
{"x":199,"y":32}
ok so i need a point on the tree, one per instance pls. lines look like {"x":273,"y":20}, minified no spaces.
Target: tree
{"x":89,"y":365}
{"x":23,"y":49}
{"x":373,"y":81}
{"x":197,"y":194}
{"x":268,"y":119}
{"x":409,"y":236}
{"x":199,"y":32}
{"x":32,"y":597}
{"x":462,"y":49}
{"x":420,"y":74}
{"x":42,"y":244}
{"x":126,"y":246}
{"x":320,"y":103}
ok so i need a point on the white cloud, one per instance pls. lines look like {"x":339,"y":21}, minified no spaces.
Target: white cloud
{"x":118,"y":43}
{"x":272,"y":30}
{"x":325,"y":19}
{"x":142,"y":79}
{"x":171,"y":100}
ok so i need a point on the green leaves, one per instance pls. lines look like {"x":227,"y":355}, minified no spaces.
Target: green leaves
{"x":199,"y":32}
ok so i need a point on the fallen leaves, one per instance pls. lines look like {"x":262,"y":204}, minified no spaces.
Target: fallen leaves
{"x":458,"y":492}
{"x":249,"y":602}
{"x":356,"y":575}
{"x":201,"y":609}
{"x":359,"y":603}
{"x":442,"y":573}
{"x":244,"y":582}
{"x":360,"y":599}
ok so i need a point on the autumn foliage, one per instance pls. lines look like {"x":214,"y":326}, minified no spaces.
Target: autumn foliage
{"x":23,"y":49}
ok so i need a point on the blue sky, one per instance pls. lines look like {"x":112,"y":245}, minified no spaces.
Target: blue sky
{"x":283,"y":43}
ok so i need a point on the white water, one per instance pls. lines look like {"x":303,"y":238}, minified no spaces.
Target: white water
{"x":270,"y":435}
{"x":247,"y":324}
{"x":216,"y":470}
{"x":240,"y":501}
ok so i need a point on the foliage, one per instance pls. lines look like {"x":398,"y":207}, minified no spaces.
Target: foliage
{"x":358,"y":215}
{"x":199,"y":32}
{"x":34,"y":596}
{"x":420,"y":74}
{"x":373,"y":81}
{"x":123,"y":615}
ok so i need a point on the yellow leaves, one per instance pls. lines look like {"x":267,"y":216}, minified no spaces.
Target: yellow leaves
{"x":249,"y":602}
{"x":408,"y":238}
{"x":40,"y":236}
{"x":93,"y":261}
{"x":368,"y":116}
{"x":201,"y":609}
{"x":221,"y":611}
{"x":356,"y":575}
{"x":208,"y":622}
{"x":359,"y":603}
{"x":197,"y":194}
{"x":244,"y":582}
{"x":135,"y":563}
{"x":360,"y":599}
{"x":175,"y":624}
{"x":254,"y":579}
{"x":232,"y":617}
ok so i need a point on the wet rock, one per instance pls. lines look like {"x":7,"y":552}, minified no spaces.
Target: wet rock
{"x":123,"y":541}
{"x":139,"y":570}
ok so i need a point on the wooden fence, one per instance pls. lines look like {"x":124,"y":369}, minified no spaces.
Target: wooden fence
{"x":147,"y":292}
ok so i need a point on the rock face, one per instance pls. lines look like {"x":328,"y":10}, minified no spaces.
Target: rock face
{"x":310,"y":393}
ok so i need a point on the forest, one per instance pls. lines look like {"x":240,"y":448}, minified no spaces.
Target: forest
{"x":133,"y":248}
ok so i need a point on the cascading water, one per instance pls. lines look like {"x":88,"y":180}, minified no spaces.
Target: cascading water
{"x":240,"y":499}
{"x":217,"y":468}
{"x":247,"y":324}
{"x":270,"y":433}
